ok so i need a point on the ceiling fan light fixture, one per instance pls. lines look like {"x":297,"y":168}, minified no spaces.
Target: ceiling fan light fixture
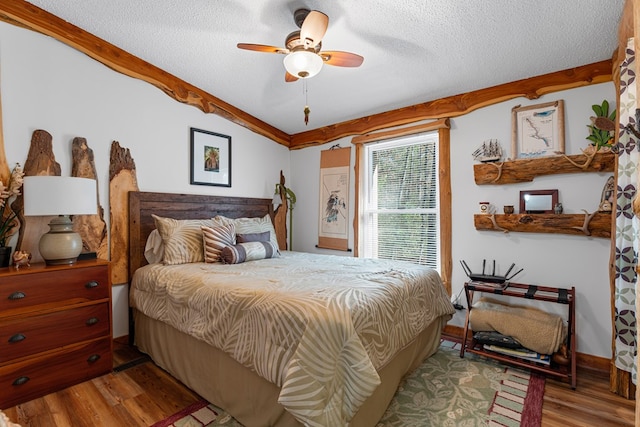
{"x":303,"y":64}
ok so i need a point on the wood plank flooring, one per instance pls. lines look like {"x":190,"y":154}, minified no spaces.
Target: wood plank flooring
{"x":144,"y":394}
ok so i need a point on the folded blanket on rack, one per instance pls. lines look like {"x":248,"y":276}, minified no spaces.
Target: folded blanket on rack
{"x":535,"y":329}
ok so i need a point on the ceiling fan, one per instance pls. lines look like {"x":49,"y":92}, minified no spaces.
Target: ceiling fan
{"x":304,"y":58}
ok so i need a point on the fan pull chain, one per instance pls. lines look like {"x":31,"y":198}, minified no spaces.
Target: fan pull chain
{"x":306,"y":110}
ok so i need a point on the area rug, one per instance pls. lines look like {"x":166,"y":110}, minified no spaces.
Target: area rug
{"x":445,"y":391}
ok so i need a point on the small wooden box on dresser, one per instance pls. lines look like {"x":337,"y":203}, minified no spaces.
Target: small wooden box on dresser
{"x":55,"y":328}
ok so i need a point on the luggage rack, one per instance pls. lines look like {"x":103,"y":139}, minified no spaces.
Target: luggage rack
{"x":534,"y":292}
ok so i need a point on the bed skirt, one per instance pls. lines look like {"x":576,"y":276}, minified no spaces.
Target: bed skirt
{"x":251,"y":399}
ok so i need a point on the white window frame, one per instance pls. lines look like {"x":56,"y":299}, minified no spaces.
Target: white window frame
{"x":368,"y":197}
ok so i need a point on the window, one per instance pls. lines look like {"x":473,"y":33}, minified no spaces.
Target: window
{"x":400,"y":215}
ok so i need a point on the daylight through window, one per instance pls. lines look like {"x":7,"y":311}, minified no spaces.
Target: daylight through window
{"x":400,"y":220}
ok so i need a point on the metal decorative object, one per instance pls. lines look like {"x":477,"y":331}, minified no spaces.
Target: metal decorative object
{"x":21,"y":258}
{"x":489,"y":151}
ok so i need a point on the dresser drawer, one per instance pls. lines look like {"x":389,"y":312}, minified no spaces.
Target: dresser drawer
{"x":34,"y":334}
{"x":21,"y":291}
{"x":27,"y":380}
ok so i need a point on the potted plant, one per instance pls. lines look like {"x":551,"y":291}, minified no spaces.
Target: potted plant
{"x":9,"y":218}
{"x":602,"y":126}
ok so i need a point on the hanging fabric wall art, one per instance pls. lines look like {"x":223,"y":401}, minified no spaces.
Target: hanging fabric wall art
{"x":333,"y":232}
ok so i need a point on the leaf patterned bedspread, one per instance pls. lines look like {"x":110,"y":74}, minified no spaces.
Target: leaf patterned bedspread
{"x":318,"y":326}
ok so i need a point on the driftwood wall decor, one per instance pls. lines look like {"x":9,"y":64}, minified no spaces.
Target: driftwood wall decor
{"x":280,"y":217}
{"x":122,"y":179}
{"x":40,"y":162}
{"x":92,"y":228}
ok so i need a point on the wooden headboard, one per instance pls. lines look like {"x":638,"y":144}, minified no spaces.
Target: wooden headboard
{"x":182,"y":206}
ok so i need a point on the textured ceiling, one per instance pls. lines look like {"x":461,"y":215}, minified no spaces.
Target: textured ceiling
{"x":415,"y":51}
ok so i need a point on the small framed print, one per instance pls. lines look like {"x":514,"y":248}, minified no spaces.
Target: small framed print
{"x":210,"y":158}
{"x":537,"y":130}
{"x":538,"y":201}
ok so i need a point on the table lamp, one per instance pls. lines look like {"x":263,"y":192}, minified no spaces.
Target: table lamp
{"x":61,"y":196}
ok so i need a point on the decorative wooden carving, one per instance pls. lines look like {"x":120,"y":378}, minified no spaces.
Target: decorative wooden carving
{"x":594,"y":225}
{"x":92,"y":228}
{"x":40,"y":162}
{"x":280,"y":217}
{"x":122,"y":179}
{"x":525,"y":170}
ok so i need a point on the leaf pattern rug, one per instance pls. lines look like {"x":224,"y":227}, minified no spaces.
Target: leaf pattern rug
{"x":445,"y":391}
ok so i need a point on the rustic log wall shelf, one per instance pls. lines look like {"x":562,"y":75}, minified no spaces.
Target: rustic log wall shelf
{"x":525,"y":170}
{"x":597,"y":225}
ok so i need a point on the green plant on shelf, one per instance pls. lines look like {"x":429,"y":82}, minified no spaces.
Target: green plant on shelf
{"x":602,"y":126}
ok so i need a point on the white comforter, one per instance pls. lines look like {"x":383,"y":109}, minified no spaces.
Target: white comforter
{"x":318,"y":326}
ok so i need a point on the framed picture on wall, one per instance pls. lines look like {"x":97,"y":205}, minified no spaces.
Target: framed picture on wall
{"x":538,"y":201}
{"x":210,"y":158}
{"x":537,"y":130}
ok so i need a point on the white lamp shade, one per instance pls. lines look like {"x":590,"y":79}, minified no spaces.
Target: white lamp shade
{"x":303,"y":64}
{"x":59,"y":195}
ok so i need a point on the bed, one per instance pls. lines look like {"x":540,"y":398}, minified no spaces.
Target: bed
{"x":284,"y":339}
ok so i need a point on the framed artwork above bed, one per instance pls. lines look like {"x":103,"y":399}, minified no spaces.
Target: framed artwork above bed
{"x":210,"y":158}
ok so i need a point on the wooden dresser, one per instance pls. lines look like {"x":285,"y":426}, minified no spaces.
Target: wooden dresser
{"x":55,"y":328}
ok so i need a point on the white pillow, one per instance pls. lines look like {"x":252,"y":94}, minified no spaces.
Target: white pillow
{"x":154,"y":248}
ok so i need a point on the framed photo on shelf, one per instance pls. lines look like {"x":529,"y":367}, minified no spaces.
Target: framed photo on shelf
{"x":537,"y":130}
{"x":210,"y":158}
{"x":538,"y":201}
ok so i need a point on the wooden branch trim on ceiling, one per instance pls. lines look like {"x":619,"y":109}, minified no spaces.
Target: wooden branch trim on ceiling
{"x":395,"y":133}
{"x":23,"y":14}
{"x":458,"y":105}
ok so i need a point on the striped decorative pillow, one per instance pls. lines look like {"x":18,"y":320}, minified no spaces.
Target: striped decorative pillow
{"x":215,"y":239}
{"x":250,"y":251}
{"x":182,"y":239}
{"x":251,"y":226}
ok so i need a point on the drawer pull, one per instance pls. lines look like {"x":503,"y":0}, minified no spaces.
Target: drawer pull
{"x":92,"y":284}
{"x":17,"y":295}
{"x":93,"y":358}
{"x":21,"y":380}
{"x":92,"y":321}
{"x":17,"y":338}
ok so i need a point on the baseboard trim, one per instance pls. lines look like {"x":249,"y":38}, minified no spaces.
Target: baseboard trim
{"x":589,"y":362}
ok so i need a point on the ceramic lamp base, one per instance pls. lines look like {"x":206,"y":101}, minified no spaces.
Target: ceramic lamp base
{"x":61,"y":245}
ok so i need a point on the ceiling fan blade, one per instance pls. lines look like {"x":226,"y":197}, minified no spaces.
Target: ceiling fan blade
{"x":288,"y":77}
{"x":341,"y":59}
{"x":313,"y":28}
{"x":263,"y":48}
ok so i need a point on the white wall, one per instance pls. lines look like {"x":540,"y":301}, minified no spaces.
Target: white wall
{"x":48,"y":85}
{"x":548,"y":259}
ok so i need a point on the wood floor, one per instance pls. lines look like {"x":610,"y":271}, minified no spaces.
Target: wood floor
{"x":144,"y":394}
